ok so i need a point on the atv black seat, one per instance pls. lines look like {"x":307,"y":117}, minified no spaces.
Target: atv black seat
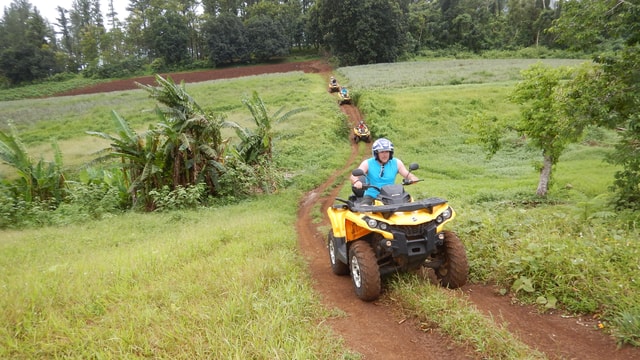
{"x":426,"y":204}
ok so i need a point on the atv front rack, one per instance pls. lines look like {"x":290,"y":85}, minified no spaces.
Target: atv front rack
{"x":424,"y":204}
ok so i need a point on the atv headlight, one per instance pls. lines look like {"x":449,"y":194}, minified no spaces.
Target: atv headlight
{"x":446,"y":214}
{"x":372,"y":223}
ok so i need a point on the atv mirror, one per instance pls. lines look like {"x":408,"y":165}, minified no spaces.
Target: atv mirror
{"x":357,"y":172}
{"x":413,"y":166}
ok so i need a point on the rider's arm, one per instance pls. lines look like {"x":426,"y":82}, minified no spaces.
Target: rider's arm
{"x":402,"y":170}
{"x":355,"y":181}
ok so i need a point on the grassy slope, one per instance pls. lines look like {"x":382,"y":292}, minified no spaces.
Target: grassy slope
{"x":194,"y":284}
{"x":181,"y":286}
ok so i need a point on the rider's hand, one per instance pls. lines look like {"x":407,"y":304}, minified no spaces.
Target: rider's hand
{"x":408,"y":181}
{"x":357,"y":184}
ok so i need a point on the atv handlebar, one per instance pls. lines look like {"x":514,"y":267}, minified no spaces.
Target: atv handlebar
{"x":409,"y":182}
{"x":405,"y":182}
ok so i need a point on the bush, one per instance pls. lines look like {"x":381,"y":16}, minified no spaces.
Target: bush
{"x":120,"y":69}
{"x":158,"y":65}
{"x":188,"y":197}
{"x":241,"y":180}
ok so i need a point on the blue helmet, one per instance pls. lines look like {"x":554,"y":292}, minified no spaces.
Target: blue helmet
{"x":382,"y":144}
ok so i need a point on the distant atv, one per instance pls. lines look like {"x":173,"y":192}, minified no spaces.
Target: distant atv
{"x":333,"y":85}
{"x":361,"y":133}
{"x":345,"y":97}
{"x":396,"y":234}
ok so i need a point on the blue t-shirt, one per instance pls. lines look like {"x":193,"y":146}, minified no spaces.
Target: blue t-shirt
{"x":377,"y":177}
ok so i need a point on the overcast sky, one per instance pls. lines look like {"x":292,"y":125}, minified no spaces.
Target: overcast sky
{"x":47,"y":8}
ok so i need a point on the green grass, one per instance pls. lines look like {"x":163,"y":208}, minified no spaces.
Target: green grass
{"x":47,"y":88}
{"x":440,"y":72}
{"x":178,"y":285}
{"x":228,"y":282}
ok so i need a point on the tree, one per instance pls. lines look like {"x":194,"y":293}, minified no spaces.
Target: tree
{"x":169,"y":37}
{"x":521,"y":17}
{"x":140,"y":14}
{"x":609,"y":95}
{"x":188,"y":9}
{"x":266,"y":38}
{"x":186,"y":148}
{"x":67,"y":44}
{"x":226,"y":40}
{"x":362,"y":32}
{"x":288,"y":15}
{"x":84,"y":33}
{"x":258,"y":144}
{"x":41,"y":181}
{"x":421,"y":24}
{"x":543,"y":119}
{"x":27,"y":44}
{"x":215,"y":7}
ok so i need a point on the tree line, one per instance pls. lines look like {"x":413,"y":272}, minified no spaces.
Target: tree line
{"x":172,"y":34}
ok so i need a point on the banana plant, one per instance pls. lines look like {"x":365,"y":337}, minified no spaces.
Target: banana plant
{"x":41,"y":180}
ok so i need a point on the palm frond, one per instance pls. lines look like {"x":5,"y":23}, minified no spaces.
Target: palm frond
{"x":12,"y":150}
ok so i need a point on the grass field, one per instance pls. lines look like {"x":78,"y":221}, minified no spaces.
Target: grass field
{"x":227,"y":281}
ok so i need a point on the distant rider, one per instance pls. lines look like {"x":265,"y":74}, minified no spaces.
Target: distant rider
{"x":361,"y":127}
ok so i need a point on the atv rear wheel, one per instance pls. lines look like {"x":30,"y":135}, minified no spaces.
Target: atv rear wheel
{"x":454,"y":269}
{"x":337,"y":266}
{"x":364,"y":271}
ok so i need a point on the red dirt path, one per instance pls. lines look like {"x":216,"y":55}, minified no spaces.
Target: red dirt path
{"x":378,"y":330}
{"x":198,"y":76}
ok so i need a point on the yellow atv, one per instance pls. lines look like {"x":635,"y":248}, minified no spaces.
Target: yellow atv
{"x":361,"y":133}
{"x":333,"y":85}
{"x":395,"y":234}
{"x":344,"y":96}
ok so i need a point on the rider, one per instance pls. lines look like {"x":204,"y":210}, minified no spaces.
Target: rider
{"x":361,"y":126}
{"x":380,"y":170}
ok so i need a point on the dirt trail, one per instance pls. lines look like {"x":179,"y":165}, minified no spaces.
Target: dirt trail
{"x":378,"y":329}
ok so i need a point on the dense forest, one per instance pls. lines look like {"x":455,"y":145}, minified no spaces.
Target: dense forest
{"x":158,"y":35}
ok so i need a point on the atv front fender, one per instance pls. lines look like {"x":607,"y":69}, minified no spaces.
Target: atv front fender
{"x":348,"y":225}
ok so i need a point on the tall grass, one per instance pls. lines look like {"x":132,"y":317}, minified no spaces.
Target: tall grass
{"x":216,"y":283}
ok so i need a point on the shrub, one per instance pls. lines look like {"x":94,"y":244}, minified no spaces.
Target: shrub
{"x":182,"y":197}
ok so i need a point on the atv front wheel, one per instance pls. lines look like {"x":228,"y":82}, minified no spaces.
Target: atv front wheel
{"x":454,"y":269}
{"x":364,"y":271}
{"x":337,"y":266}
